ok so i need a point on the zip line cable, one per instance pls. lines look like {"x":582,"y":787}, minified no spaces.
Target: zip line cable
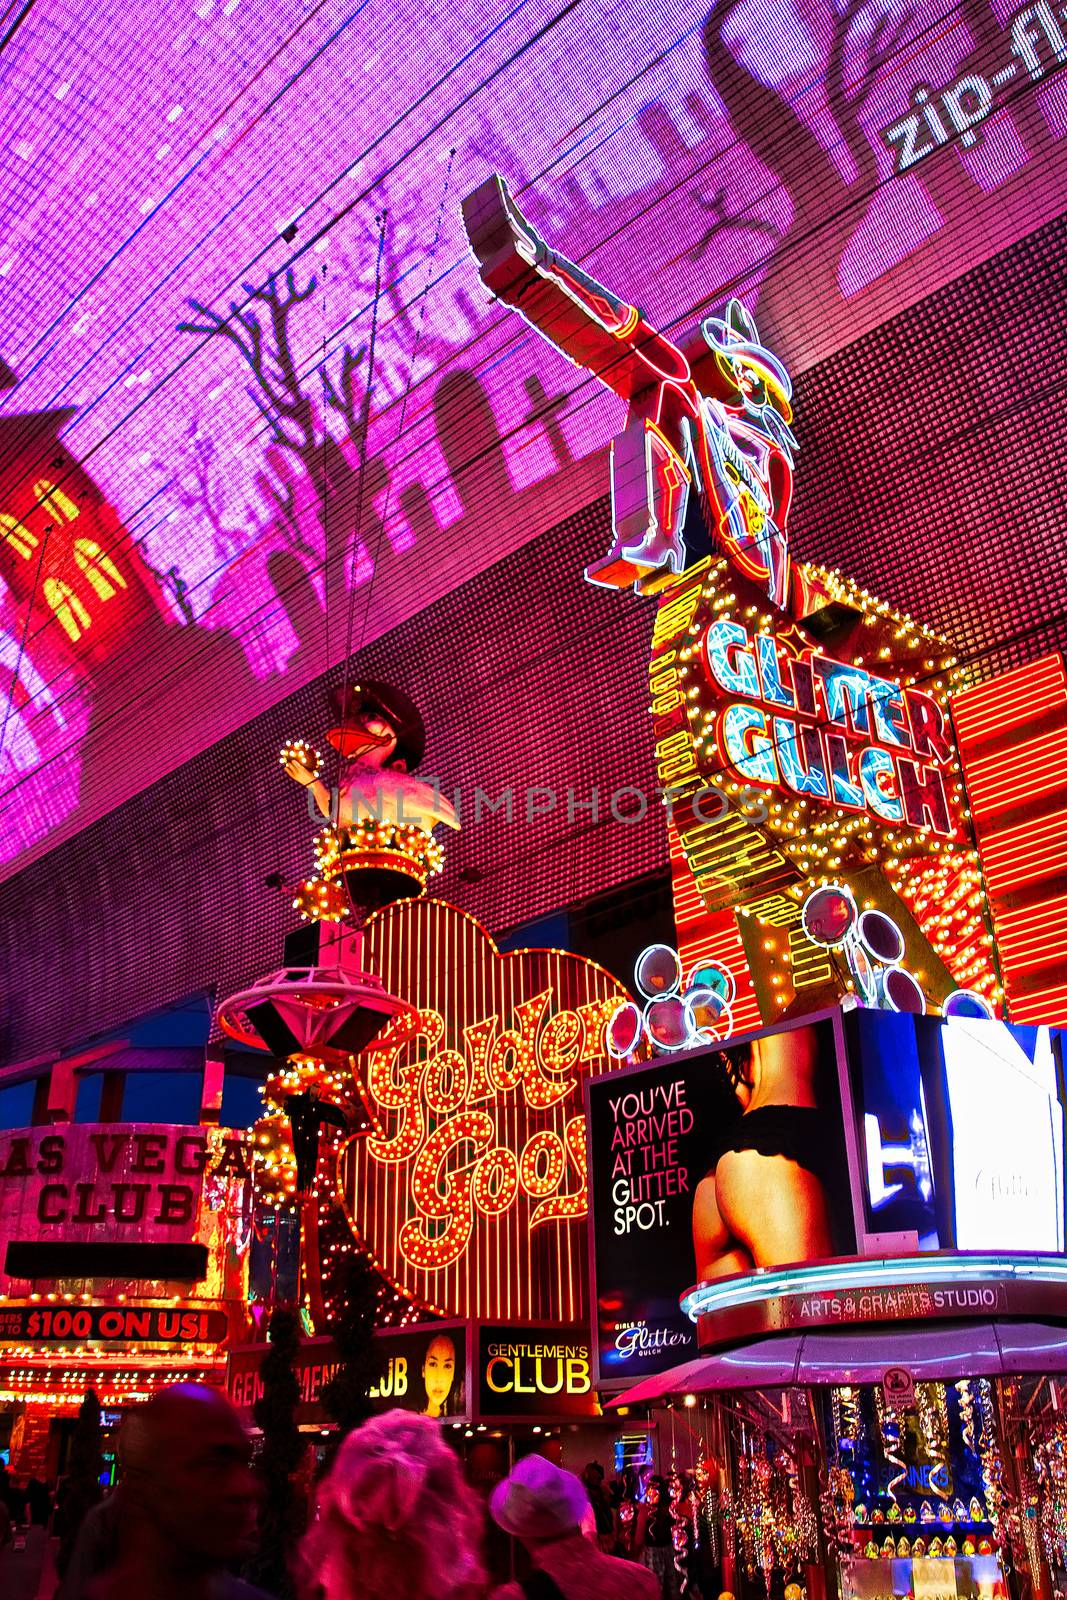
{"x":417,"y":345}
{"x":350,"y":555}
{"x":850,"y":202}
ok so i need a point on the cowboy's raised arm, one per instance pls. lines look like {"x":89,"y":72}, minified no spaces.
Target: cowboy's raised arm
{"x":588,"y":323}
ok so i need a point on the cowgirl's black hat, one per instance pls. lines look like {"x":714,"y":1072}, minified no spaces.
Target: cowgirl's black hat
{"x":351,"y":702}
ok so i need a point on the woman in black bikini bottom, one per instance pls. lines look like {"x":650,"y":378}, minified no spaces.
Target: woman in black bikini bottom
{"x":765,"y":1199}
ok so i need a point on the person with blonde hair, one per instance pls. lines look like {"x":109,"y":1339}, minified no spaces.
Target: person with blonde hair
{"x":394,"y":1518}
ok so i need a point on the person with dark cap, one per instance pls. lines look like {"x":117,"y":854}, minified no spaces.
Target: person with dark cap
{"x":547,"y":1510}
{"x":187,"y":1510}
{"x":600,"y":1500}
{"x":380,"y":738}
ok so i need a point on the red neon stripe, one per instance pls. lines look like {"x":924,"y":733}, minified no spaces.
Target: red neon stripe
{"x":1021,"y":961}
{"x":1001,"y":718}
{"x":1034,"y":921}
{"x":1023,"y":694}
{"x":1048,"y":1006}
{"x":1013,"y":872}
{"x":1036,"y":767}
{"x":1026,"y":851}
{"x":1016,"y":678}
{"x":1016,"y":688}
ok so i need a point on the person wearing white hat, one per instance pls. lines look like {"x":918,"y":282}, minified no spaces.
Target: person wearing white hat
{"x":546,"y":1509}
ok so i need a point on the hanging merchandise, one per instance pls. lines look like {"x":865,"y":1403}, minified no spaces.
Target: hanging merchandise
{"x":992,"y":1466}
{"x":840,"y":1513}
{"x":965,"y":1391}
{"x":709,"y":1504}
{"x":681,"y":1529}
{"x":803,"y":1529}
{"x":931,"y":1405}
{"x":775,"y":1523}
{"x":1048,"y":1448}
{"x":1029,"y":1515}
{"x":892,"y":1433}
{"x":728,"y":1519}
{"x":845,"y":1403}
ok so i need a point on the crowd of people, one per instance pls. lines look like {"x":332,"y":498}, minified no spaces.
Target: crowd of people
{"x":637,"y":1517}
{"x":393,"y":1517}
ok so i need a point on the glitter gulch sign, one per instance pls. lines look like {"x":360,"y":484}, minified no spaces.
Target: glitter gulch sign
{"x":469,"y":1186}
{"x":805,"y":752}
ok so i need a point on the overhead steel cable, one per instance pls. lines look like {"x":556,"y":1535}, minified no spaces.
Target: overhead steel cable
{"x":1025,"y":88}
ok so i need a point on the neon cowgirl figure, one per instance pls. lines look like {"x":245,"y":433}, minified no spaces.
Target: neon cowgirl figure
{"x":728,"y":440}
{"x":380,"y":739}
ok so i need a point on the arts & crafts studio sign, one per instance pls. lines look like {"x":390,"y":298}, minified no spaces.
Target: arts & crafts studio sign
{"x":99,"y":1180}
{"x":826,"y":730}
{"x":724,"y":1315}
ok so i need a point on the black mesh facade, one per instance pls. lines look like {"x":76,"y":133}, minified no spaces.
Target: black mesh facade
{"x":931,"y":464}
{"x":930,"y":469}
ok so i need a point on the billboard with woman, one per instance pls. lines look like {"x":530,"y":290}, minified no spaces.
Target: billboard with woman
{"x":872,"y":1136}
{"x":962,"y":1132}
{"x":706,"y":1166}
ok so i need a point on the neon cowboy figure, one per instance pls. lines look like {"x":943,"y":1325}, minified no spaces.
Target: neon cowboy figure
{"x":729,"y":439}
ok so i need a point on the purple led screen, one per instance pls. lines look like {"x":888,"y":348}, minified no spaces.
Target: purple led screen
{"x":192,"y":494}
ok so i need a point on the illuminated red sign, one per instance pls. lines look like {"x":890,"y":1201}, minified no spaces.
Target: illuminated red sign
{"x":1013,"y":743}
{"x":819,"y":751}
{"x":469,"y":1189}
{"x":97,"y":1182}
{"x":317,"y":1361}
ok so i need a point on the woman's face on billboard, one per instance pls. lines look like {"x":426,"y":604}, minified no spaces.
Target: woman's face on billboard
{"x":438,"y":1373}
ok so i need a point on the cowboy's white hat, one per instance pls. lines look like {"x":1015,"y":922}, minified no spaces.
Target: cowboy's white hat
{"x":538,"y":1501}
{"x":735,"y":338}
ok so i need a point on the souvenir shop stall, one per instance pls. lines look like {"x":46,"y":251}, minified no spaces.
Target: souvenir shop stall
{"x":858,"y":1348}
{"x":893,"y":1486}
